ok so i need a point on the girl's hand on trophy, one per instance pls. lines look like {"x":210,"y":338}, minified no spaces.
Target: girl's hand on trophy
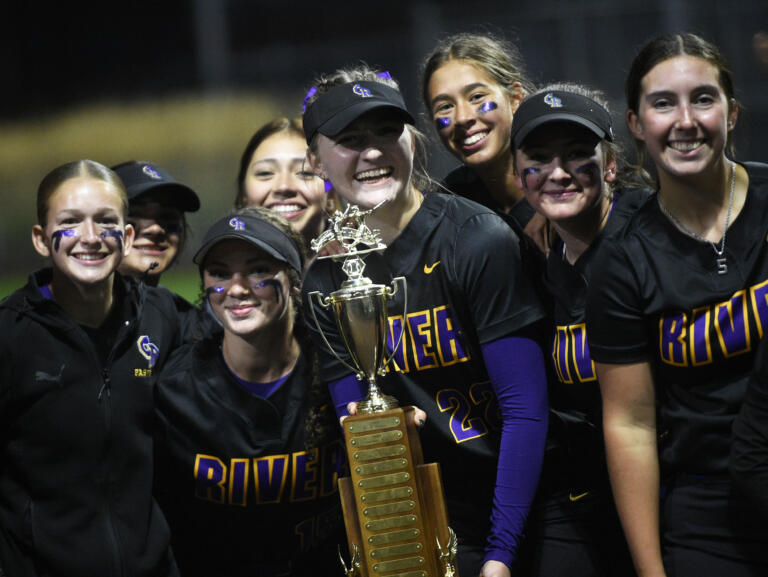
{"x":352,"y":408}
{"x":495,"y":569}
{"x":333,"y":247}
{"x":419,"y":416}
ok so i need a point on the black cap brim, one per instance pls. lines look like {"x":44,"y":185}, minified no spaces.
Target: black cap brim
{"x":560,"y":106}
{"x":336,"y":109}
{"x":202,"y":252}
{"x":339,"y":122}
{"x":521,"y":135}
{"x":172,"y":193}
{"x":256,"y":232}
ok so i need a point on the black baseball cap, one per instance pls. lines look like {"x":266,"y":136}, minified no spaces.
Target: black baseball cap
{"x":560,"y":105}
{"x":142,"y":177}
{"x":336,"y":109}
{"x":258,"y":232}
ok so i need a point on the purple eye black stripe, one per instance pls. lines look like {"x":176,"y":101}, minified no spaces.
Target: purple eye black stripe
{"x":56,"y":236}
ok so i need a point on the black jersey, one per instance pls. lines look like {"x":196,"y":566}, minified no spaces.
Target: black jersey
{"x":242,"y":492}
{"x":465,"y":182}
{"x":574,"y":393}
{"x":464,"y":289}
{"x":658,"y":298}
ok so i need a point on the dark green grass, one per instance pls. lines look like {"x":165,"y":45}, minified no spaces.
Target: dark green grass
{"x":183,"y":281}
{"x":11,"y":282}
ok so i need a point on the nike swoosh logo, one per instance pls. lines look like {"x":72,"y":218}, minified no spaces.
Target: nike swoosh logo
{"x":429,"y":269}
{"x":575,"y":498}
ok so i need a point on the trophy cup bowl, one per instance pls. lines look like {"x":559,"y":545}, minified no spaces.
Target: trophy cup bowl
{"x":360,"y":313}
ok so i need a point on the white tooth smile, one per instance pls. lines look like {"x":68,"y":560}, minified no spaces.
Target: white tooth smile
{"x":686,"y":146}
{"x":285,"y":208}
{"x":89,"y":256}
{"x":374,"y":174}
{"x":477,"y":137}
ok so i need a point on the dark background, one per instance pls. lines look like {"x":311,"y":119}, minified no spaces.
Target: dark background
{"x":184,"y":84}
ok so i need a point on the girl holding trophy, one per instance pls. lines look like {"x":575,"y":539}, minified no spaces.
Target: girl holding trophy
{"x":467,"y":353}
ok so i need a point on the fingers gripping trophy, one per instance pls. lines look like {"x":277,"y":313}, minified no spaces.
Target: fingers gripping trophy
{"x":393,"y":503}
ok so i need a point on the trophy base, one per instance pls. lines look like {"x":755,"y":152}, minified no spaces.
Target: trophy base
{"x":377,"y":403}
{"x":393,"y":503}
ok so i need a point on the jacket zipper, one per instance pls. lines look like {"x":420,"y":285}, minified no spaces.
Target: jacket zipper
{"x":105,"y":397}
{"x":116,"y":557}
{"x":105,"y":387}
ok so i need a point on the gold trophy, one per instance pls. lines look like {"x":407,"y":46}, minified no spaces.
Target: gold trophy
{"x":393,"y":503}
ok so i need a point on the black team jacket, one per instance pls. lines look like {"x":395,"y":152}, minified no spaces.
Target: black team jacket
{"x":76,"y":417}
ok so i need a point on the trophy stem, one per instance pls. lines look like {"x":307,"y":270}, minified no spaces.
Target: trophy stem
{"x":376,"y":401}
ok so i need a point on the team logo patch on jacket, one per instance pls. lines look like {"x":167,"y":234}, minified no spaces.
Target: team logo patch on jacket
{"x":148,"y":350}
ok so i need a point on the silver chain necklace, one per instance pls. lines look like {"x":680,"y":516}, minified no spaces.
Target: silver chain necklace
{"x":722,"y":266}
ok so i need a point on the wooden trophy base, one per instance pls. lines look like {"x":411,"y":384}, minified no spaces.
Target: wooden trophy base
{"x":393,"y":503}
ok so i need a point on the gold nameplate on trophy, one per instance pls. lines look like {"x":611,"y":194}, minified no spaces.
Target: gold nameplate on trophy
{"x":373,"y":454}
{"x":394,"y":505}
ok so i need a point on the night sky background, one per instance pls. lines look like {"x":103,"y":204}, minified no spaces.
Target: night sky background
{"x":205,"y":73}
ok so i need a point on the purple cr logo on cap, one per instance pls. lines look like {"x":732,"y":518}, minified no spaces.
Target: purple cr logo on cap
{"x":237,"y":224}
{"x":362,"y":92}
{"x":553,"y":100}
{"x":151,"y":172}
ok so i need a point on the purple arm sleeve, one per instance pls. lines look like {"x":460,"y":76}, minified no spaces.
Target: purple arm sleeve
{"x":516,"y":368}
{"x":344,"y":391}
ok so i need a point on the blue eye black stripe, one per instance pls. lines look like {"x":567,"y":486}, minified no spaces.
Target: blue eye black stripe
{"x":116,"y":234}
{"x":487,"y":107}
{"x":56,"y":236}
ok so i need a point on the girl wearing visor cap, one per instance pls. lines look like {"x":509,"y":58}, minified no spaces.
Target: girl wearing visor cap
{"x":157,"y":204}
{"x":676,"y":317}
{"x":566,"y":162}
{"x":247,"y":456}
{"x":467,"y":358}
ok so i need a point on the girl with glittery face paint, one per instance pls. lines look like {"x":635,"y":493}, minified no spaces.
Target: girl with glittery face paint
{"x":471,"y":86}
{"x":566,"y":163}
{"x":250,"y":272}
{"x":81,"y":346}
{"x":564,"y":168}
{"x":250,"y":394}
{"x":82,"y":229}
{"x":245,"y":288}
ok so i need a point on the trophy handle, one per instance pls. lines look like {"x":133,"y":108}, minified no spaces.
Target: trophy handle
{"x":353,"y":570}
{"x":390,"y":293}
{"x":325,"y":303}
